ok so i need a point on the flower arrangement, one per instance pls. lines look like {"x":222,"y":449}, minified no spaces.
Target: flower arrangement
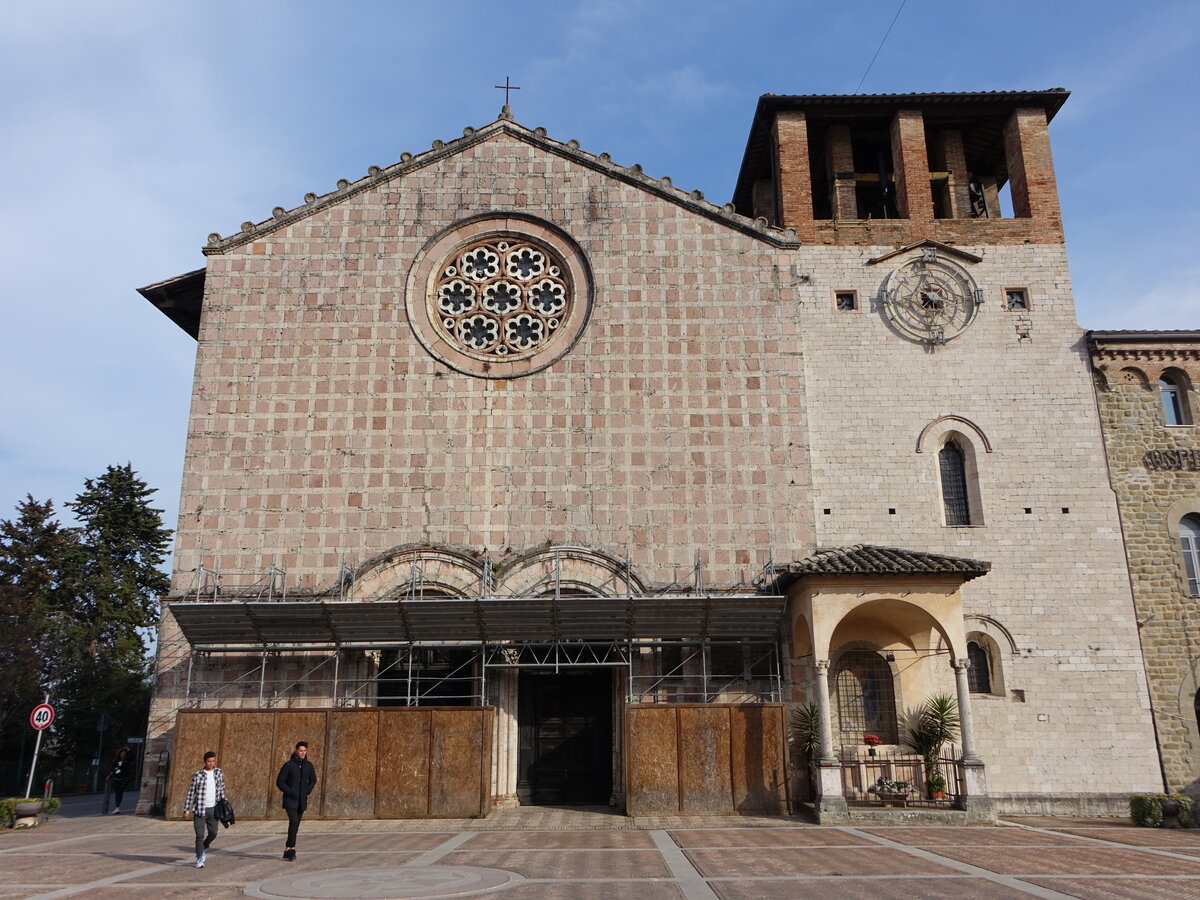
{"x":887,"y":786}
{"x":872,"y":740}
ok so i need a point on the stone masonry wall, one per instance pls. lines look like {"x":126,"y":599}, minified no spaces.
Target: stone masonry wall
{"x":320,"y":427}
{"x":716,"y":402}
{"x":1152,"y":501}
{"x":1074,"y":716}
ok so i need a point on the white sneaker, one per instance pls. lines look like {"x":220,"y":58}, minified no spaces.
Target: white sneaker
{"x":116,"y":809}
{"x":199,"y":862}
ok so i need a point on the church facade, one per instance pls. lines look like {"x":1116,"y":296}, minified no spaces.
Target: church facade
{"x":566,"y":485}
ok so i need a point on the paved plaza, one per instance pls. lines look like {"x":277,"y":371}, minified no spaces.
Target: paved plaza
{"x":591,"y":854}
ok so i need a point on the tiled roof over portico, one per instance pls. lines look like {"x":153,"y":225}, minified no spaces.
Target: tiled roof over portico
{"x":865,"y":559}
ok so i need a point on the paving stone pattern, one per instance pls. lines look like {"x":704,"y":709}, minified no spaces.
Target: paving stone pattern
{"x":585,"y":855}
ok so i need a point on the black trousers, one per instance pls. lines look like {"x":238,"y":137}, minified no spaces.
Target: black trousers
{"x":209,"y":819}
{"x":118,"y":792}
{"x":294,"y":817}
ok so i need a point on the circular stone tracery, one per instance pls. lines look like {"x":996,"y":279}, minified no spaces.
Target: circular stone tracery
{"x":501,"y":298}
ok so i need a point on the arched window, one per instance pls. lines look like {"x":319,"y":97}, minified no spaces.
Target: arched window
{"x":954,"y":484}
{"x":1172,"y":401}
{"x":979,"y":675}
{"x":866,"y":697}
{"x":1189,"y":542}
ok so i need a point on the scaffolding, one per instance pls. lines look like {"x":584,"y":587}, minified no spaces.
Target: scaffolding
{"x":656,"y":671}
{"x":253,"y":644}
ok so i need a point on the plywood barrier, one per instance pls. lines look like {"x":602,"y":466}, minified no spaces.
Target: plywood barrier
{"x":405,"y":762}
{"x":705,"y":758}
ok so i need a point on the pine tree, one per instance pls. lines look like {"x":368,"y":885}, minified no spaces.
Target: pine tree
{"x":80,"y":602}
{"x":33,"y":605}
{"x":114,"y":579}
{"x":117,"y":574}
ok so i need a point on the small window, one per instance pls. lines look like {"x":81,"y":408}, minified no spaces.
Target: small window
{"x":845,"y":301}
{"x":1189,"y":541}
{"x":953,"y":472}
{"x":1172,"y":401}
{"x":979,"y":674}
{"x":1016,"y":299}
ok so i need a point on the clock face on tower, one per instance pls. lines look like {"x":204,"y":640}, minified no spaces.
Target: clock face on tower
{"x":930,"y":299}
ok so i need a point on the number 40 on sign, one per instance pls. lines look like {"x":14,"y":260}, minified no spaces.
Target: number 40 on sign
{"x":42,"y":716}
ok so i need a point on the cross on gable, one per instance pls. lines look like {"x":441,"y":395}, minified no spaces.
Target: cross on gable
{"x":506,"y":87}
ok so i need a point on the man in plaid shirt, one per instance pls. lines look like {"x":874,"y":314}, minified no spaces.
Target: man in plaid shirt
{"x":207,"y":787}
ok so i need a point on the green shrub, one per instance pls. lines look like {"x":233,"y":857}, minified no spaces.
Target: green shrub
{"x":1146,"y":809}
{"x":8,"y":808}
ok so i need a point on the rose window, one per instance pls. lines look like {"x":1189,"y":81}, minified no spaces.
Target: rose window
{"x":501,"y":298}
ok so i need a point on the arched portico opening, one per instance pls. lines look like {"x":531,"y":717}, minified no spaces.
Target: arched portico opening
{"x":881,"y":623}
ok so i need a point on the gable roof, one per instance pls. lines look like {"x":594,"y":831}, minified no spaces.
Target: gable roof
{"x":505,"y":124}
{"x":865,"y":559}
{"x":181,"y":297}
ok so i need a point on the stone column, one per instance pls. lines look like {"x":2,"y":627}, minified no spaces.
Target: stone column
{"x":966,"y":729}
{"x":830,"y":803}
{"x":503,"y":691}
{"x":822,"y":669}
{"x":975,"y":800}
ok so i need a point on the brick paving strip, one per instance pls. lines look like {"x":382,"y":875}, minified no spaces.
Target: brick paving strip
{"x":1007,"y":881}
{"x":568,"y":856}
{"x":149,"y":870}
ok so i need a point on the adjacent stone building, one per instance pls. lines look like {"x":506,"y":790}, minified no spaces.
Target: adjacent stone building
{"x":515,"y":475}
{"x":1145,"y":387}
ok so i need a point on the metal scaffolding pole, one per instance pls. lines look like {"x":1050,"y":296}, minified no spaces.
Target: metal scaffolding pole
{"x":337,"y":659}
{"x":262,"y":678}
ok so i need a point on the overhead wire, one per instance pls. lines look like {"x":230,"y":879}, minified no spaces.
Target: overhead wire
{"x":881,"y":43}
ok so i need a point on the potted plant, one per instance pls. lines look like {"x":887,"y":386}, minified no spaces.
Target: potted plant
{"x":932,"y":725}
{"x":935,"y":783}
{"x":872,"y":741}
{"x":891,"y":791}
{"x":806,"y":733}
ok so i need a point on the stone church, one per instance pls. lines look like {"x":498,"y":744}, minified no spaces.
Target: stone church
{"x":517,"y":476}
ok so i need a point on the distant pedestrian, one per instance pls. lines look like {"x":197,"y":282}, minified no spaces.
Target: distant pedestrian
{"x":207,"y":787}
{"x":296,"y":780}
{"x":118,"y":778}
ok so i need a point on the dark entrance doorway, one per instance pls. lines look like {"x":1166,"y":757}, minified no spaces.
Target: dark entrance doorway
{"x":565,"y":732}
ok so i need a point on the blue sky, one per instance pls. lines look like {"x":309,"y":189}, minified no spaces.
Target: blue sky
{"x":134,"y":129}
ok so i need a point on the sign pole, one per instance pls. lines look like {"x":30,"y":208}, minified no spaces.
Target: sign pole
{"x":36,"y":747}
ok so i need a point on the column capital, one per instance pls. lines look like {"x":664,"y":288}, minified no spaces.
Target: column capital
{"x":822,"y":665}
{"x":960,"y":665}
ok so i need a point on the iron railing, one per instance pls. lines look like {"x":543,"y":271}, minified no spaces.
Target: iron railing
{"x":861,"y":771}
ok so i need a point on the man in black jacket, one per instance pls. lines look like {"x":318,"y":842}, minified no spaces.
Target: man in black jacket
{"x":296,"y":780}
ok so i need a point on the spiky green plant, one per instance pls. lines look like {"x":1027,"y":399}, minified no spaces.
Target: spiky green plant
{"x":932,"y":725}
{"x":806,"y":729}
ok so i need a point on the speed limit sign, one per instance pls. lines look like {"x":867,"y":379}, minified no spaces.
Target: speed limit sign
{"x":42,"y":716}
